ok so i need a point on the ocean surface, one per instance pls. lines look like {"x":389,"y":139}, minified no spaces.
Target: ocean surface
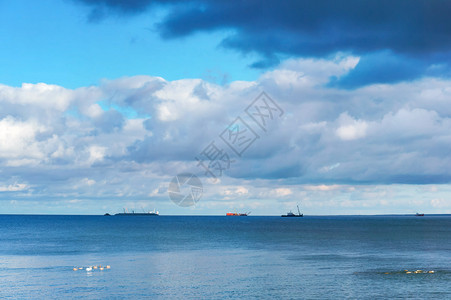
{"x":179,"y":257}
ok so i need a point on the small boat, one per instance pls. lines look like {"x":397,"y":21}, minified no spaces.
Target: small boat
{"x":292,"y":215}
{"x":238,"y":214}
{"x":419,"y":215}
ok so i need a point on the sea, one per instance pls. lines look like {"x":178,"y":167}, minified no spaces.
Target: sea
{"x":219,"y":257}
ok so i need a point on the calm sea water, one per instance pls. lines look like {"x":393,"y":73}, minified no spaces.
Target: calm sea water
{"x":225,"y":257}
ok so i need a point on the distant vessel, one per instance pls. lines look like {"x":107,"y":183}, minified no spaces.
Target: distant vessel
{"x":292,"y":215}
{"x":419,"y":215}
{"x":238,"y":214}
{"x":133,"y":213}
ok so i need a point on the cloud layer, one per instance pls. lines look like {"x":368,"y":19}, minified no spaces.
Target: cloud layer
{"x":127,"y":137}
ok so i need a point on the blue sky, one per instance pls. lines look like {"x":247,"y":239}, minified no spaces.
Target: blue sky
{"x":54,"y":42}
{"x":103,"y":102}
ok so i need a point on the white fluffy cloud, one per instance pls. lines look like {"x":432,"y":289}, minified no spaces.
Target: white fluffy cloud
{"x":351,"y":129}
{"x":46,"y":96}
{"x":14,"y":187}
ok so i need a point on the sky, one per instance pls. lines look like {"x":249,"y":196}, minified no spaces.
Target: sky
{"x":342,"y":107}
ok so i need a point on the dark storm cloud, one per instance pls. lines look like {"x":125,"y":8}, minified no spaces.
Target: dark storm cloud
{"x":382,"y":67}
{"x":321,"y":27}
{"x":416,"y":31}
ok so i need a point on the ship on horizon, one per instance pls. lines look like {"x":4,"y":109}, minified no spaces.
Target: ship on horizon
{"x":133,"y":213}
{"x":292,"y":215}
{"x":238,"y":214}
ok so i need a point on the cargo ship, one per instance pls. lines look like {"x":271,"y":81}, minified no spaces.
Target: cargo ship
{"x":133,"y":213}
{"x":238,"y":214}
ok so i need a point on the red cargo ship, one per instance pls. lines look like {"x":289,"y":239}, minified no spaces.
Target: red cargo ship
{"x":238,"y":214}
